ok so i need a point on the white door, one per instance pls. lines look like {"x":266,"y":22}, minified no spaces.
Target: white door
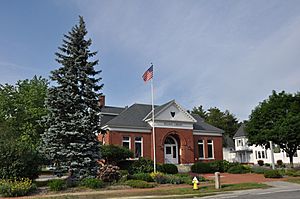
{"x":171,"y":150}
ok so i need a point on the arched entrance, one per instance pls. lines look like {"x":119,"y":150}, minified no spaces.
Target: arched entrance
{"x":171,"y":150}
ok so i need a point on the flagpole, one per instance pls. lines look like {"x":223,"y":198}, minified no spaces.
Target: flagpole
{"x":153,"y":127}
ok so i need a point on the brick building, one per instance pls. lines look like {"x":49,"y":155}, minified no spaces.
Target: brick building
{"x":181,"y":137}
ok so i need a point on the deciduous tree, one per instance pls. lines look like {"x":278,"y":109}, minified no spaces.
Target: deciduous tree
{"x":276,"y":119}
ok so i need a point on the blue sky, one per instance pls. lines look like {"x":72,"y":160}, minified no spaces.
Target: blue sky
{"x":229,"y":54}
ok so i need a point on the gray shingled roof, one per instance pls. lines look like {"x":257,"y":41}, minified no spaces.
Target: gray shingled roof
{"x":132,"y":117}
{"x":113,"y":110}
{"x":157,"y":109}
{"x":202,"y":125}
{"x":240,"y":132}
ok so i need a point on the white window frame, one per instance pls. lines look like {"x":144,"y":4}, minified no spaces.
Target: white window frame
{"x":213,"y":151}
{"x":203,"y":147}
{"x":128,"y":141}
{"x":139,"y":141}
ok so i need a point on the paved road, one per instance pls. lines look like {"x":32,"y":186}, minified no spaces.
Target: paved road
{"x":280,"y":190}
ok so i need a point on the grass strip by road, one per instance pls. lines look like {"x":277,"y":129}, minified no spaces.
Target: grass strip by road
{"x":294,"y":180}
{"x":173,"y":192}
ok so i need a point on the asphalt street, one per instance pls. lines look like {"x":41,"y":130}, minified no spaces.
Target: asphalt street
{"x":279,"y":190}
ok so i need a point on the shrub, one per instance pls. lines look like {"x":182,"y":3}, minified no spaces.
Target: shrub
{"x":173,"y":179}
{"x":18,"y":159}
{"x":185,"y":178}
{"x":238,"y":169}
{"x":139,"y":184}
{"x":142,"y":176}
{"x":219,"y":165}
{"x":57,"y":185}
{"x":292,"y":173}
{"x":114,"y":154}
{"x":123,"y":172}
{"x":142,"y":165}
{"x":272,"y":174}
{"x":260,"y":162}
{"x":279,"y":163}
{"x":159,"y":177}
{"x":13,"y":188}
{"x":201,"y":167}
{"x":109,"y":173}
{"x":259,"y":170}
{"x":169,"y":168}
{"x":267,"y":164}
{"x":92,"y":183}
{"x":125,"y":164}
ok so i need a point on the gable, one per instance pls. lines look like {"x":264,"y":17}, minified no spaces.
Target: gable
{"x":174,"y":112}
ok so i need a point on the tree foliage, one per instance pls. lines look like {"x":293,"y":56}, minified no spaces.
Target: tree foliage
{"x":21,"y":110}
{"x":73,"y":119}
{"x":276,"y":119}
{"x":223,"y":120}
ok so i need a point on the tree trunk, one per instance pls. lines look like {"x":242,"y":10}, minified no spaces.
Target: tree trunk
{"x":291,"y":156}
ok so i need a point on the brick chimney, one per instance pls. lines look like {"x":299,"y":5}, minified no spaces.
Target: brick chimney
{"x":102,"y":101}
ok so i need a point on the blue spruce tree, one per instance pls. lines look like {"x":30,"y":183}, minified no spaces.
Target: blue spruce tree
{"x":70,"y":140}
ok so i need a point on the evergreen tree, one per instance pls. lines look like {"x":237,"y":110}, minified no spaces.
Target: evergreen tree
{"x":73,"y":120}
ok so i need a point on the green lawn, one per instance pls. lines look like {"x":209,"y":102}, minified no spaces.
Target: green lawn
{"x":174,"y":192}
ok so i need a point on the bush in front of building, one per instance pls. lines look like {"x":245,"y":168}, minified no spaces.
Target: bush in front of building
{"x":14,"y":188}
{"x":272,"y":174}
{"x":57,"y":185}
{"x":109,"y":173}
{"x":143,"y":165}
{"x":169,"y":168}
{"x":141,"y":176}
{"x":259,"y":170}
{"x":139,"y":184}
{"x":292,"y":172}
{"x":202,"y":167}
{"x":238,"y":169}
{"x":92,"y":183}
{"x":260,"y":162}
{"x":279,"y":163}
{"x":114,"y":154}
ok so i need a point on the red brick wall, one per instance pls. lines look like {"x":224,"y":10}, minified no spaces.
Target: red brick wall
{"x":116,"y":138}
{"x":217,"y":143}
{"x":187,"y":142}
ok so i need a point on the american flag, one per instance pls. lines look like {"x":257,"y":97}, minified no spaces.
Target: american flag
{"x":148,"y":74}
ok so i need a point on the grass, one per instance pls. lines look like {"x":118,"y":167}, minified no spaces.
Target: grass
{"x":294,"y":180}
{"x":172,"y":191}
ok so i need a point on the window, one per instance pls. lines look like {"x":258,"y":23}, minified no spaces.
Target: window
{"x":239,"y":142}
{"x":201,"y":148}
{"x":126,"y":142}
{"x":266,"y":154}
{"x":263,"y":154}
{"x":255,"y":154}
{"x":210,"y":149}
{"x":259,"y":155}
{"x":138,"y":147}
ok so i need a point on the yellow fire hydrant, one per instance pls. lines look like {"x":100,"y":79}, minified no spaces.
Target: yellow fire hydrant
{"x":195,"y":183}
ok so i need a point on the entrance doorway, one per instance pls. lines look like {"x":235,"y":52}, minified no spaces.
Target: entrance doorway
{"x":171,"y":150}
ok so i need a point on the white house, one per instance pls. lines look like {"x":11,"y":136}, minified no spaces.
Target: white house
{"x":251,"y":154}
